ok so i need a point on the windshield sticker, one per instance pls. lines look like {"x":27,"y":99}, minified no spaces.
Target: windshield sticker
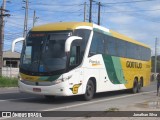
{"x":41,"y":68}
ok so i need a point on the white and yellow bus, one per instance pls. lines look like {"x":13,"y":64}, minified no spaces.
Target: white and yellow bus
{"x":79,"y":58}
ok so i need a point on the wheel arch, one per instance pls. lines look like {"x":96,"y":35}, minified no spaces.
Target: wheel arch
{"x":135,"y":79}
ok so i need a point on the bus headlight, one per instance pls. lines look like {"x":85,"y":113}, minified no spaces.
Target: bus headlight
{"x":62,"y":79}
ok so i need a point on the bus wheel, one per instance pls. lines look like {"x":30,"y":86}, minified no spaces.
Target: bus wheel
{"x":135,"y":87}
{"x":49,"y":97}
{"x":89,"y":90}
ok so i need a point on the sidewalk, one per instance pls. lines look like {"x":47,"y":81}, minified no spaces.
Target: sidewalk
{"x":4,"y":90}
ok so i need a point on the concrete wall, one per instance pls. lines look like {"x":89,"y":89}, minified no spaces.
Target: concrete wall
{"x":10,"y":72}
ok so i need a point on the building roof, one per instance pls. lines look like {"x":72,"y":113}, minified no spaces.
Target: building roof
{"x":9,"y":54}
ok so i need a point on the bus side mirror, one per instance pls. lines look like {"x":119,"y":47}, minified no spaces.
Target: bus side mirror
{"x":69,"y":42}
{"x":15,"y":41}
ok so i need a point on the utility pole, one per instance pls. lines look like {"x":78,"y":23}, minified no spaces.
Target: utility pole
{"x":26,"y":19}
{"x":84,"y":11}
{"x":155,"y":62}
{"x":90,"y":11}
{"x":34,"y":18}
{"x":2,"y":15}
{"x":99,"y":12}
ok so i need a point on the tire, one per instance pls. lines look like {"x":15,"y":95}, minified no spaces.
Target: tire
{"x":90,"y":90}
{"x":49,"y":97}
{"x":139,"y":86}
{"x":135,"y":87}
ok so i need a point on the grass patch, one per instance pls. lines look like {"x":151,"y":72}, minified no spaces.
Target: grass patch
{"x":8,"y":82}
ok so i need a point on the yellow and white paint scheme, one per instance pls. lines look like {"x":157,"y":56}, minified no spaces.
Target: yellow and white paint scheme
{"x":96,"y":67}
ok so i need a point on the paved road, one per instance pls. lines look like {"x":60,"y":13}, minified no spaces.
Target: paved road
{"x":12,"y":100}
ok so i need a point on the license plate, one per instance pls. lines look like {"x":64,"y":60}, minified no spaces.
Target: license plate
{"x":37,"y":89}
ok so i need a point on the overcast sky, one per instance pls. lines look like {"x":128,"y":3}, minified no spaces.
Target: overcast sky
{"x":138,"y":19}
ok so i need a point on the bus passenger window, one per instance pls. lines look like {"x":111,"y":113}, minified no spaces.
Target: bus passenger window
{"x":97,"y":44}
{"x":93,"y":48}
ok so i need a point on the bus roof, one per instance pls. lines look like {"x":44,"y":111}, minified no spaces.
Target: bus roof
{"x":61,"y":26}
{"x":73,"y":25}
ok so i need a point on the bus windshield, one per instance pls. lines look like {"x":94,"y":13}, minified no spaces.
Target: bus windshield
{"x":44,"y":52}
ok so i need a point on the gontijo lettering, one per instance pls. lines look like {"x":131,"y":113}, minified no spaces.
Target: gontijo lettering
{"x":130,"y":64}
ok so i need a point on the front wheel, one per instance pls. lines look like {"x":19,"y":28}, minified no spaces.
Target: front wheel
{"x":89,"y":91}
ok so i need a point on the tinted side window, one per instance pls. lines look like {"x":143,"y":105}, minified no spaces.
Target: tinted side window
{"x":94,"y":45}
{"x":121,"y":48}
{"x":134,"y":51}
{"x":145,"y":53}
{"x":97,"y":44}
{"x":105,"y":44}
{"x":100,"y":46}
{"x":110,"y":47}
{"x":130,"y":49}
{"x":138,"y":51}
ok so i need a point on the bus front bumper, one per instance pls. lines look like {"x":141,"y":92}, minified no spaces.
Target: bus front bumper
{"x":55,"y":90}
